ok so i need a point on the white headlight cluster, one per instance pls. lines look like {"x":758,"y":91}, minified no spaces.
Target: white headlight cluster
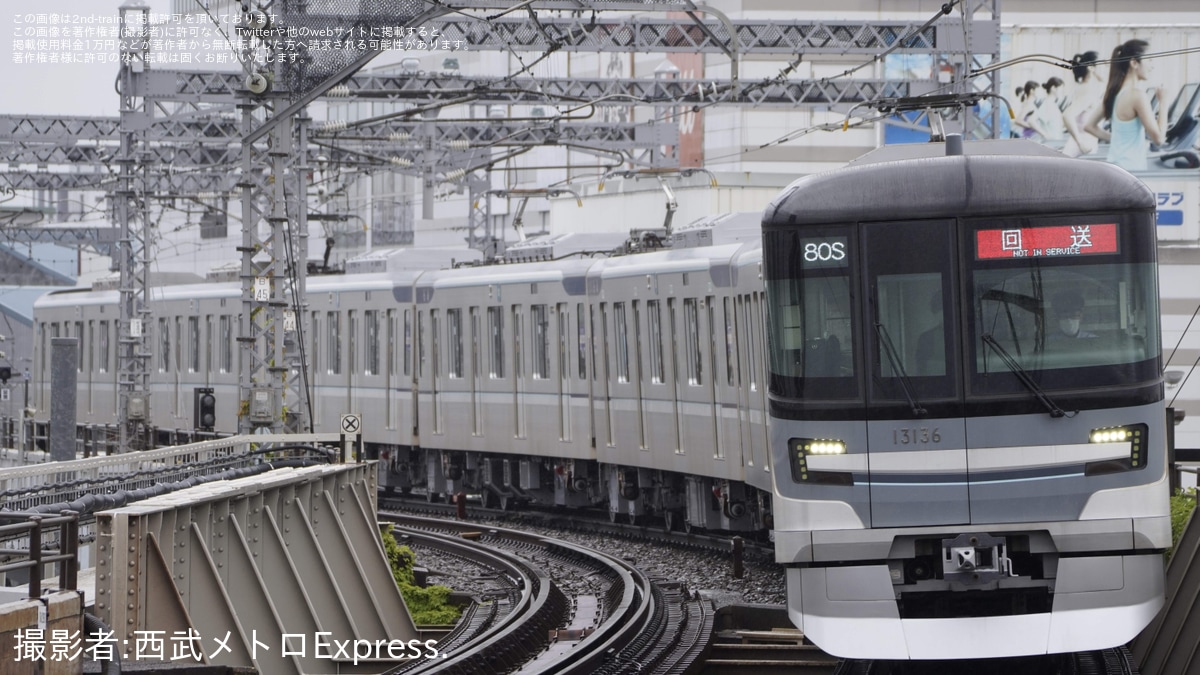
{"x":823,"y":447}
{"x":1117,"y":435}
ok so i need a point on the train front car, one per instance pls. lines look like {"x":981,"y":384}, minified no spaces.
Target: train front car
{"x":966,"y":405}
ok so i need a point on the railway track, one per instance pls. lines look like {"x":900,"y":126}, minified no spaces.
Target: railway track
{"x":557,"y":607}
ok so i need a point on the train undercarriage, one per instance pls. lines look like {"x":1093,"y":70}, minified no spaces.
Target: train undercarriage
{"x":629,"y":494}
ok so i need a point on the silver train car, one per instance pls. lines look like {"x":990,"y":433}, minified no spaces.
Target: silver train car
{"x":634,"y":384}
{"x":966,"y":405}
{"x":868,"y":372}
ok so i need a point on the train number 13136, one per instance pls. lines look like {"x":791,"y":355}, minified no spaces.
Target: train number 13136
{"x":908,"y":435}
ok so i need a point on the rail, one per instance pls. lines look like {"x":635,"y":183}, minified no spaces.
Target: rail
{"x":34,"y":526}
{"x":85,"y":482}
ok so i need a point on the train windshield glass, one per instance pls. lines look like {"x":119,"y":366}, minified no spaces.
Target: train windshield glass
{"x":1068,"y":320}
{"x":811,"y":312}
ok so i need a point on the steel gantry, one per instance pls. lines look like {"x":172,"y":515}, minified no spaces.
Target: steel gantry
{"x":179,"y":132}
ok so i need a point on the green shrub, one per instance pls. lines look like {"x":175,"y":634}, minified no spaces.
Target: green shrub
{"x":428,"y":605}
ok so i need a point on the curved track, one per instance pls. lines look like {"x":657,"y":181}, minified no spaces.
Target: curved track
{"x":571,"y":609}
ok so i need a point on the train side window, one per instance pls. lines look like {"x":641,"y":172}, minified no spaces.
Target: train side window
{"x":103,"y":342}
{"x":334,"y":340}
{"x":495,"y":316}
{"x":371,"y":341}
{"x":654,"y":323}
{"x":541,"y":342}
{"x":194,"y":344}
{"x":581,"y":329}
{"x":691,"y":336}
{"x":408,"y":345}
{"x":164,"y":345}
{"x":620,"y":327}
{"x":454,"y":336}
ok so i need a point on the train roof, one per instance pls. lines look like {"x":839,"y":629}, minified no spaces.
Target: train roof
{"x":985,"y":180}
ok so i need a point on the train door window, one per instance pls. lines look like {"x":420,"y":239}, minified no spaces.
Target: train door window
{"x":226,"y":330}
{"x":581,"y":328}
{"x":654,"y":324}
{"x":602,"y":345}
{"x":351,"y":341}
{"x":334,"y":341}
{"x":80,"y":345}
{"x":730,"y":343}
{"x":179,"y":361}
{"x":91,"y":345}
{"x":475,"y":351}
{"x":164,"y":345}
{"x":541,"y":342}
{"x":371,"y":341}
{"x":517,"y":325}
{"x":564,"y":342}
{"x":454,"y":337}
{"x":391,"y":342}
{"x":909,"y":291}
{"x":421,"y":340}
{"x":315,"y":353}
{"x":748,"y":341}
{"x":691,"y":334}
{"x":435,"y":342}
{"x":194,"y":344}
{"x":208,"y":344}
{"x":495,"y":316}
{"x":102,"y":343}
{"x":620,"y":328}
{"x":408,"y":344}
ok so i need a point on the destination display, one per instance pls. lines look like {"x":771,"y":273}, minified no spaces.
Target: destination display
{"x":1046,"y":242}
{"x":824,"y":252}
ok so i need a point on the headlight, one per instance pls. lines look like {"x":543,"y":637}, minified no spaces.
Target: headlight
{"x":800,"y":449}
{"x":1133,"y":434}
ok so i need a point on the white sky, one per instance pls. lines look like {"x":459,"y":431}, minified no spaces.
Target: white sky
{"x":58,"y":88}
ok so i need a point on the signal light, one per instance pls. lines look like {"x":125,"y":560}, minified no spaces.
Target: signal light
{"x":205,"y":408}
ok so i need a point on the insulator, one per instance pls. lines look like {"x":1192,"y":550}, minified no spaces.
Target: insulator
{"x":399,"y":136}
{"x":455,"y":174}
{"x":340,"y":91}
{"x":459,"y":145}
{"x":334,"y":125}
{"x":400,"y":161}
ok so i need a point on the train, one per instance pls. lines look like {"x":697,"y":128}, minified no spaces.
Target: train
{"x":864,"y":373}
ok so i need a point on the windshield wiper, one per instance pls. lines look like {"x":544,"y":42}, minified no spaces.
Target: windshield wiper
{"x":886,"y":341}
{"x":1023,"y":376}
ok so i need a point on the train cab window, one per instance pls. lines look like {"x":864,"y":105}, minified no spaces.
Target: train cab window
{"x":495,"y":320}
{"x":910,"y":290}
{"x":810,"y":307}
{"x":1067,"y":316}
{"x":541,"y":342}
